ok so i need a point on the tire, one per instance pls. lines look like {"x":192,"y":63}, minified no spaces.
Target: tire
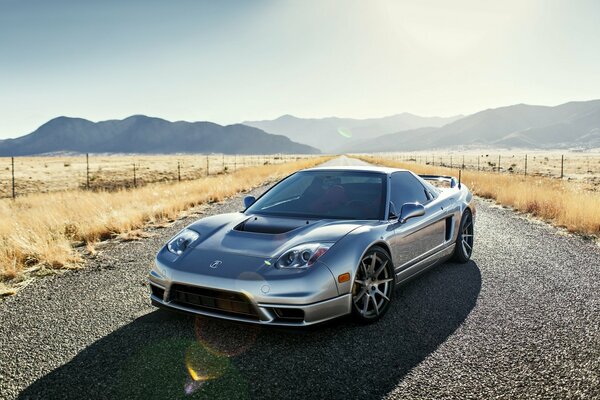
{"x":464,"y":241}
{"x":373,"y":287}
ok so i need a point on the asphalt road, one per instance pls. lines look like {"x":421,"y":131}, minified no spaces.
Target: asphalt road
{"x":521,"y":320}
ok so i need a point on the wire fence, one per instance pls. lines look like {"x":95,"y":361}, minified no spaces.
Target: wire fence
{"x":582,"y":166}
{"x":23,"y":175}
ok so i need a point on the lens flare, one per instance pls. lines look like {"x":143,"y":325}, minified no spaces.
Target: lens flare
{"x":216,"y":342}
{"x":224,"y":338}
{"x":249,"y":282}
{"x":203,"y":365}
{"x":191,"y":386}
{"x":345,"y":132}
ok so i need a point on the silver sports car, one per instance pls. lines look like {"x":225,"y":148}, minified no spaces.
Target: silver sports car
{"x":322,"y":243}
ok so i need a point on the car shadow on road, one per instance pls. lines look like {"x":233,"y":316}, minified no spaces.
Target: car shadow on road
{"x":166,"y":355}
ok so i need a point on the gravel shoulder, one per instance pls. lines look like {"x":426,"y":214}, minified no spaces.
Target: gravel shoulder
{"x":522,"y":319}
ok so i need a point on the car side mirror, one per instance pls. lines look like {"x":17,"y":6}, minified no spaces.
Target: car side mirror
{"x":249,"y":200}
{"x":411,"y":210}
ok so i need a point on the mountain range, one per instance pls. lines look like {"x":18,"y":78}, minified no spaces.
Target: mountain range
{"x":332,"y":133}
{"x":569,"y":125}
{"x":142,"y":134}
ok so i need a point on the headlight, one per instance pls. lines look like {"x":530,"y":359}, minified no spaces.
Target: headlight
{"x":303,"y":256}
{"x":182,"y":241}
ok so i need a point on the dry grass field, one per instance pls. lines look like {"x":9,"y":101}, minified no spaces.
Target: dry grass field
{"x":40,"y":230}
{"x":576,"y":166}
{"x":109,"y":172}
{"x":574,"y":205}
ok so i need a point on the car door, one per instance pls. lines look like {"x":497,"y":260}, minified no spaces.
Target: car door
{"x":418,"y":237}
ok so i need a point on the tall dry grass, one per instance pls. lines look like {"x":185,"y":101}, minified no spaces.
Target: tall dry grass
{"x":41,"y":229}
{"x":562,"y":203}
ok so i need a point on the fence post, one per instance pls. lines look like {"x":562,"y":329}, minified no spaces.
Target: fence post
{"x":525,"y":164}
{"x":562,"y":165}
{"x":12,"y":161}
{"x":498,"y":163}
{"x":178,"y":171}
{"x":463,"y":163}
{"x":134,"y":177}
{"x":87,"y":171}
{"x":450,"y":162}
{"x":207,"y":166}
{"x":223,"y":162}
{"x":235,"y":162}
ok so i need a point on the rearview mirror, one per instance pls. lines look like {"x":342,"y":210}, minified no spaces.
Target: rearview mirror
{"x":411,"y":210}
{"x":249,"y":200}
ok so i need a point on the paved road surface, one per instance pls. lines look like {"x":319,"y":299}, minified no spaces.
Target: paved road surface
{"x":521,"y":320}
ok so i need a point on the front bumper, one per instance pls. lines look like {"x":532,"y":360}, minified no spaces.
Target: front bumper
{"x":274,"y":297}
{"x":270,"y":314}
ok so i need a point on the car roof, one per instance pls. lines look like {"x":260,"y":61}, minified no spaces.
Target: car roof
{"x":357,"y":168}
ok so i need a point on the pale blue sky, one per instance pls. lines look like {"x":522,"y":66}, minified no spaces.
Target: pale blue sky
{"x":229,"y":61}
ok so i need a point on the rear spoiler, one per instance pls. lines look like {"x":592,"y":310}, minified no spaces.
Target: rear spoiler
{"x":441,"y":178}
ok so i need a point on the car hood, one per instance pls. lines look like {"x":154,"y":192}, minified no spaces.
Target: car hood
{"x":263,"y":237}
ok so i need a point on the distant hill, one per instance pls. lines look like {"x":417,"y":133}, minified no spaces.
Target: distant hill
{"x":330,"y":134}
{"x":569,"y":125}
{"x":142,"y":134}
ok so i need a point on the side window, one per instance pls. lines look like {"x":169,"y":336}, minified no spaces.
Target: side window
{"x":406,"y":189}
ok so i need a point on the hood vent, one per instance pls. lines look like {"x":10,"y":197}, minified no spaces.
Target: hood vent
{"x":270,"y":225}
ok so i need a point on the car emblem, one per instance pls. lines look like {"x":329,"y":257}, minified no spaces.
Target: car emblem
{"x":216,"y":263}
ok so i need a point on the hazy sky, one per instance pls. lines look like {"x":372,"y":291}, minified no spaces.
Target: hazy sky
{"x":228,"y":61}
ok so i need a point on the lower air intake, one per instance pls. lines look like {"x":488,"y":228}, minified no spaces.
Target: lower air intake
{"x":157,"y":291}
{"x":289,"y":314}
{"x":227,"y":303}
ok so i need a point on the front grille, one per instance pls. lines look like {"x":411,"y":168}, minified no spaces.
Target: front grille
{"x":229,"y":303}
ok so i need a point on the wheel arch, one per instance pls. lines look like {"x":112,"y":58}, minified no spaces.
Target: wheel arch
{"x":347,"y":257}
{"x":385,"y":246}
{"x":381,"y":244}
{"x":469,"y":208}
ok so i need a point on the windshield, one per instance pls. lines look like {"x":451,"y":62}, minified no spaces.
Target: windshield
{"x":326,"y":195}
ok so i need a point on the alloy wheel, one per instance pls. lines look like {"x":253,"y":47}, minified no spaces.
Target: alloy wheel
{"x":373,"y":286}
{"x":467,"y":236}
